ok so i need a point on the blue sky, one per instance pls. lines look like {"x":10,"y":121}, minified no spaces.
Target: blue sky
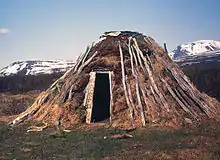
{"x":55,"y":29}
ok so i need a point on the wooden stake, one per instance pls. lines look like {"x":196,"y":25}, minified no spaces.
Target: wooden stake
{"x":165,"y":47}
{"x":125,"y":88}
{"x":130,"y":96}
{"x":135,"y":72}
{"x":82,"y":58}
{"x":162,"y":98}
{"x":86,"y":63}
{"x":176,"y":98}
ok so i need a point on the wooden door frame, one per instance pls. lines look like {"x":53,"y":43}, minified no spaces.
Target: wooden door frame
{"x":89,"y":94}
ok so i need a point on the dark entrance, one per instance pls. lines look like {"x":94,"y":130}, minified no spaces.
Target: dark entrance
{"x":101,"y":99}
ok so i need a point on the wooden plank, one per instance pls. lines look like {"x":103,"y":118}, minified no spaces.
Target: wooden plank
{"x":111,"y":95}
{"x":89,"y":103}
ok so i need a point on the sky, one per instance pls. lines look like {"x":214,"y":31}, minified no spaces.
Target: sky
{"x":55,"y":29}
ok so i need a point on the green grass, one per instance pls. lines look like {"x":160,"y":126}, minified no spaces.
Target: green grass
{"x":198,"y":143}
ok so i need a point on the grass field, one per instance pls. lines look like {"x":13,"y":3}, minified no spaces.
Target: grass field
{"x":195,"y":143}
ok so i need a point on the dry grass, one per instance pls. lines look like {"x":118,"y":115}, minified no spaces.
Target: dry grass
{"x":12,"y":104}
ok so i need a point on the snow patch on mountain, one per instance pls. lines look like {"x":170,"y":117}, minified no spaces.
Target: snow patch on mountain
{"x":36,"y":67}
{"x":196,"y":48}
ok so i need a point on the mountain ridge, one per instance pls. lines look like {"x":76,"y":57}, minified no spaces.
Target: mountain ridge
{"x":36,"y":67}
{"x":196,"y":48}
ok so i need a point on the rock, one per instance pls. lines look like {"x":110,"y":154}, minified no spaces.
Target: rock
{"x":189,"y":121}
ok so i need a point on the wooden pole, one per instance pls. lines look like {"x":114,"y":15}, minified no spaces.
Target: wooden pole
{"x":125,"y":88}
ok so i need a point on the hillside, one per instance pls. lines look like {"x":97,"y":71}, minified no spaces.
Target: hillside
{"x":200,"y":61}
{"x":204,"y":72}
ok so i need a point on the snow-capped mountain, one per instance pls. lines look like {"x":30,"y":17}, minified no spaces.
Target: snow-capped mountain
{"x":195,"y":49}
{"x":36,"y":67}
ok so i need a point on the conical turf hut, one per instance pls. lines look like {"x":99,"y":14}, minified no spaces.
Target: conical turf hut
{"x":126,"y":79}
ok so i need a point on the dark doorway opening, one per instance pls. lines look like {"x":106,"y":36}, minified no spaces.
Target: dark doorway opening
{"x":101,"y":99}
